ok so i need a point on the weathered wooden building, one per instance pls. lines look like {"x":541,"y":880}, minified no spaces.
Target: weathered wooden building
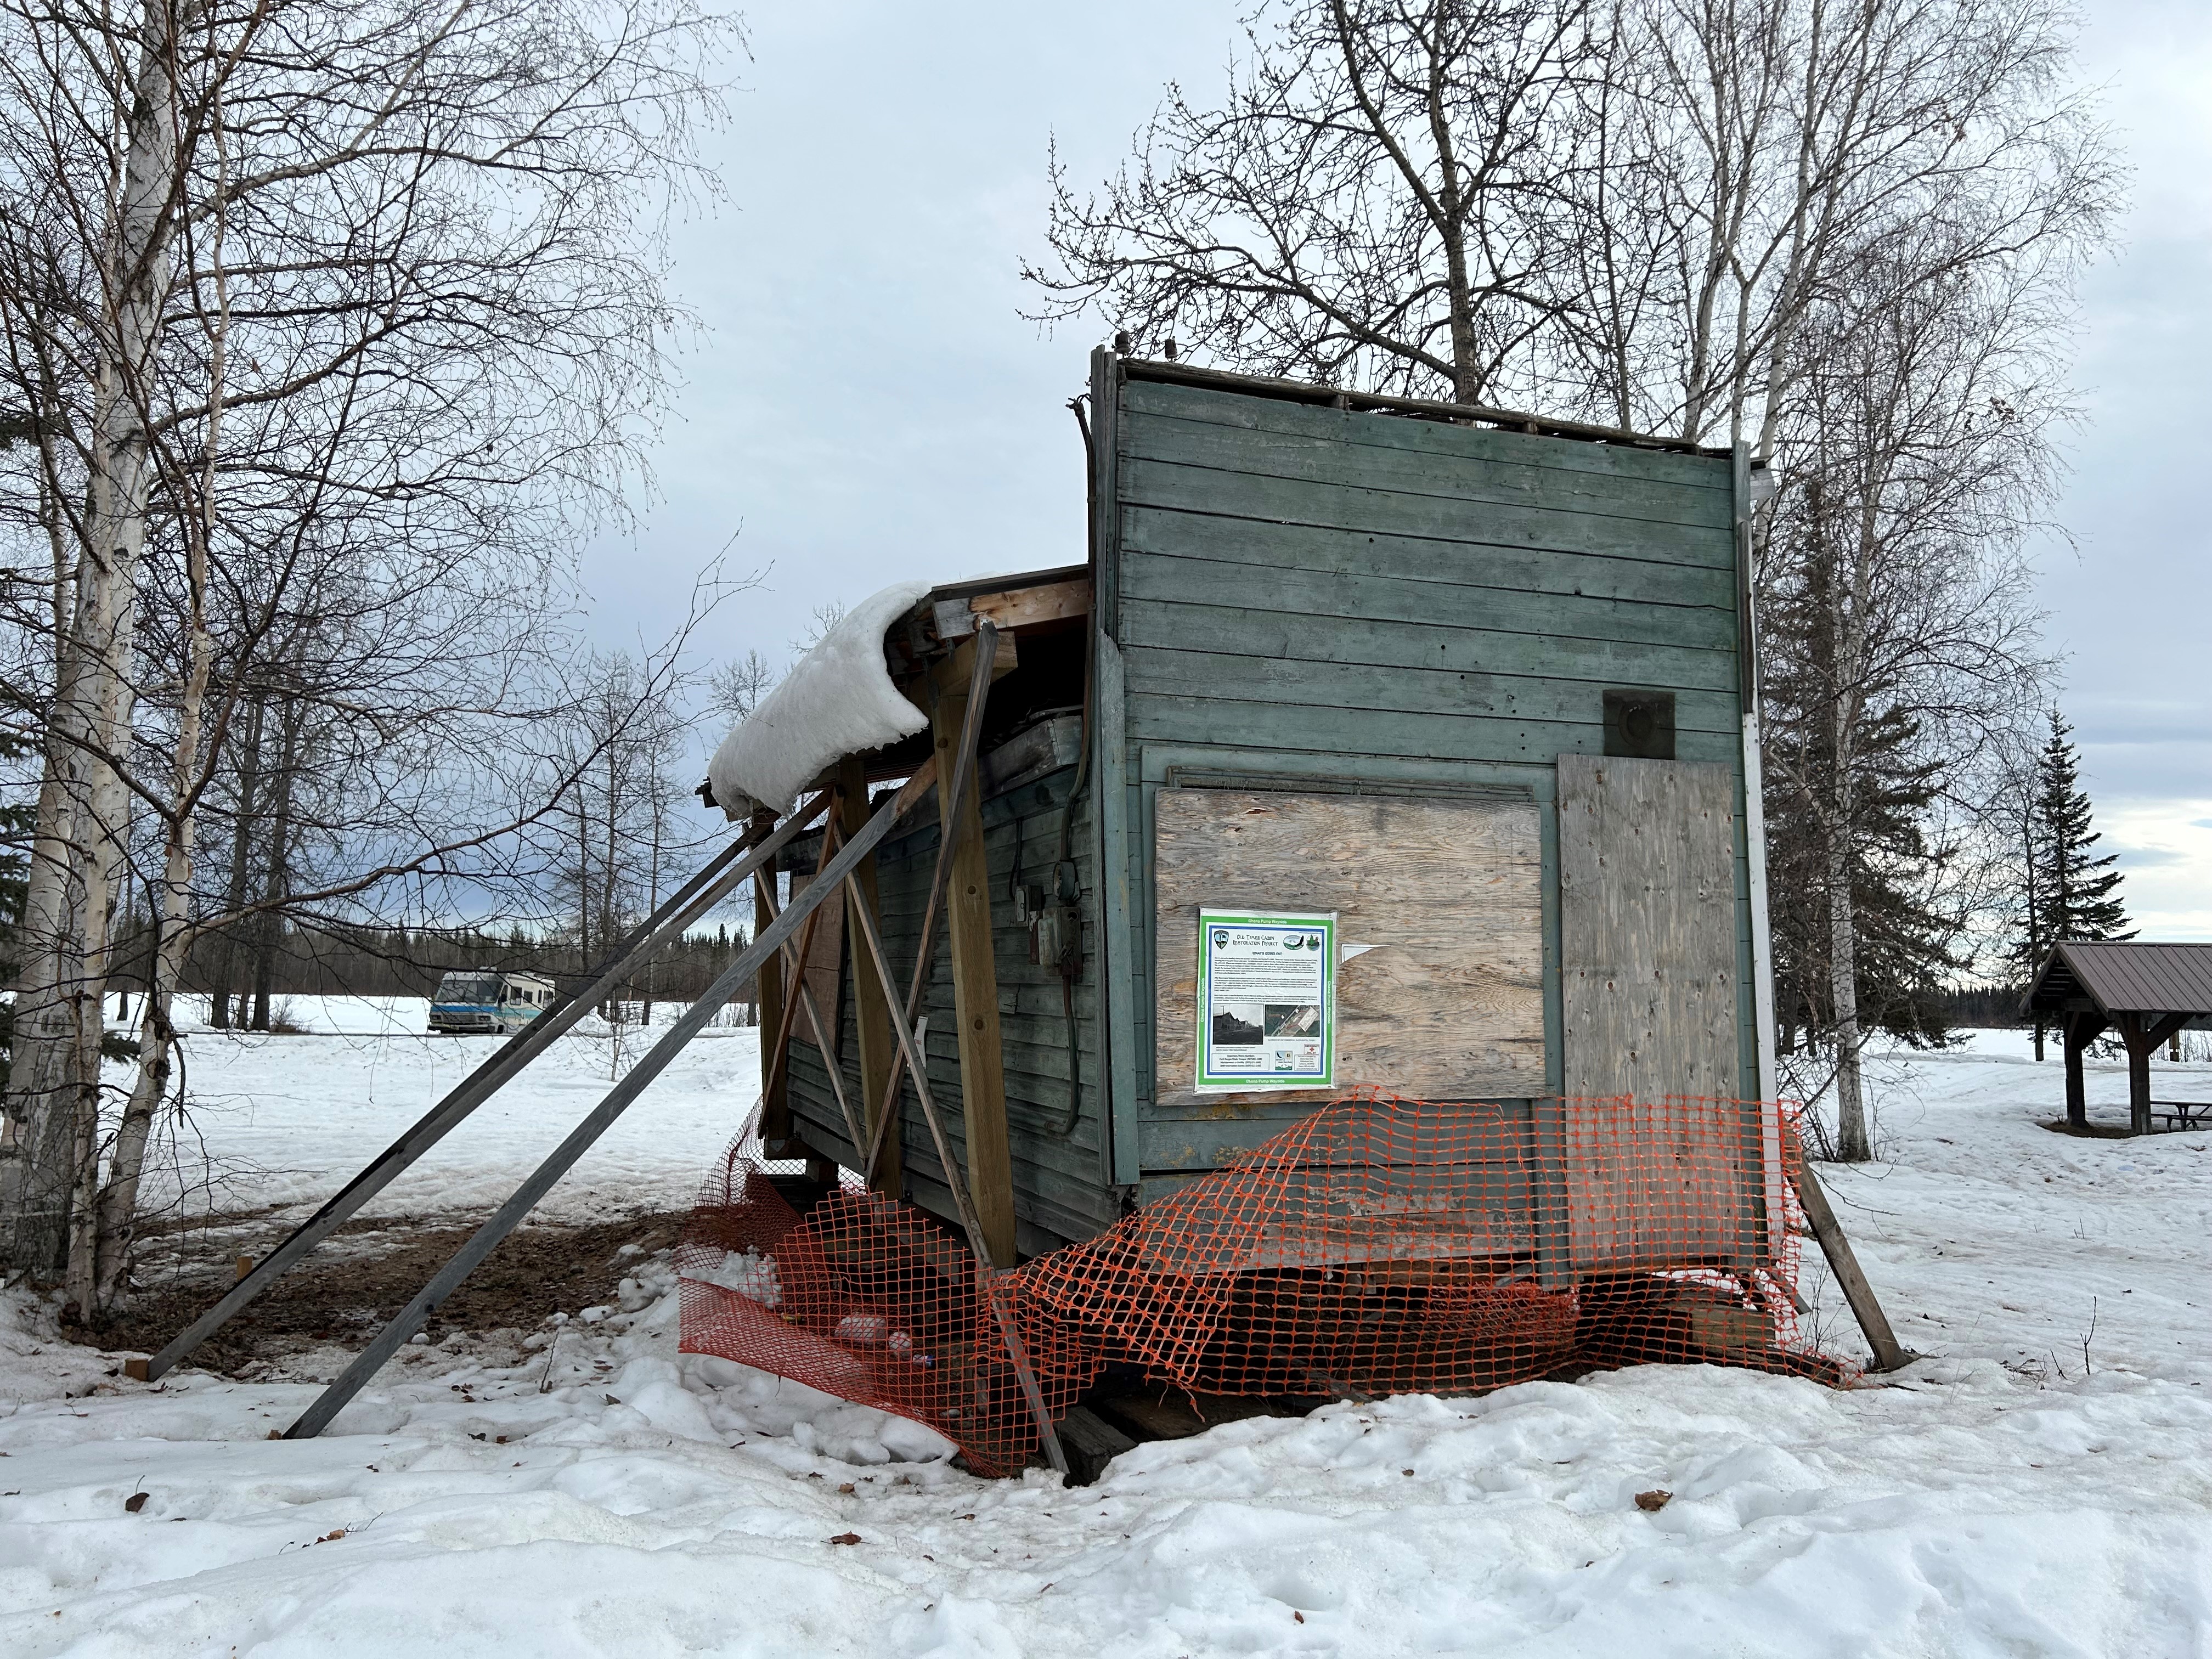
{"x":1476,"y":685}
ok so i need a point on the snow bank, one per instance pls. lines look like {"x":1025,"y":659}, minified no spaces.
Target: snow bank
{"x":2040,"y":1485}
{"x":838,"y":700}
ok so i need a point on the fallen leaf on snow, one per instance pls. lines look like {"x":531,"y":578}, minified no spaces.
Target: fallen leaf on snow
{"x":1654,"y":1500}
{"x":844,"y":1538}
{"x":136,"y":1501}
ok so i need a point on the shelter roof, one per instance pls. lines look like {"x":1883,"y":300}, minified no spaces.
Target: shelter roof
{"x":2127,"y":976}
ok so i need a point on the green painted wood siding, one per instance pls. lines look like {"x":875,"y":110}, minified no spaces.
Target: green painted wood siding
{"x":1346,"y":596}
{"x":1061,"y":1189}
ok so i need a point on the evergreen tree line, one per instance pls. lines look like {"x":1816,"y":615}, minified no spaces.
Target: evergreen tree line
{"x":1926,"y":969}
{"x":288,"y":960}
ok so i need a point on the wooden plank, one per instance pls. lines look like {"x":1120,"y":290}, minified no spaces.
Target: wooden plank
{"x":1291,"y":501}
{"x":1360,"y":733}
{"x":768,"y":997}
{"x":1414,"y":630}
{"x":1541,"y":618}
{"x":1648,"y":928}
{"x":1142,"y":399}
{"x":1017,"y":607}
{"x":1484,"y":479}
{"x":1158,"y":672}
{"x":870,"y":1016}
{"x":1440,"y":561}
{"x":975,"y":978}
{"x":1447,"y":1005}
{"x":1889,"y":1354}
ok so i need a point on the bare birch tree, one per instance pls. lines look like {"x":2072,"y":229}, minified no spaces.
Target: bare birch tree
{"x":301,"y":304}
{"x":1843,"y":234}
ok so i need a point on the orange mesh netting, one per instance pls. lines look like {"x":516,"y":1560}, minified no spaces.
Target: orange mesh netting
{"x":1379,"y":1246}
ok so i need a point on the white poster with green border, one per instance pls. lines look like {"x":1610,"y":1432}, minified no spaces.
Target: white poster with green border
{"x":1266,"y":1001}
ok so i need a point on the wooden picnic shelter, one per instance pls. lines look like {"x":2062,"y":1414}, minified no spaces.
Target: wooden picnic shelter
{"x":2146,"y":993}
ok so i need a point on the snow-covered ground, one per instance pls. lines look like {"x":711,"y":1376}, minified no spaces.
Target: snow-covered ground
{"x":2040,"y":1485}
{"x":280,"y":1120}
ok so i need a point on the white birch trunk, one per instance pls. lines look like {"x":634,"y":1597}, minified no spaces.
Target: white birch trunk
{"x":56,"y":1091}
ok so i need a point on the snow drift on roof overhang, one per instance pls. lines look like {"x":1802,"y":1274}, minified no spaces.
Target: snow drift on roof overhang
{"x":838,"y":701}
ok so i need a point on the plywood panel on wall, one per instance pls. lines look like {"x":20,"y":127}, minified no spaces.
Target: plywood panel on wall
{"x":1647,"y":928}
{"x":1648,"y":959}
{"x":1660,"y":1184}
{"x":1447,"y":1004}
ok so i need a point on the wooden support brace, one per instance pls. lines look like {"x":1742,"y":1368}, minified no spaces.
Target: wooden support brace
{"x":975,"y":973}
{"x":1889,"y":1354}
{"x":649,"y":1066}
{"x":722,"y":876}
{"x":768,"y":1003}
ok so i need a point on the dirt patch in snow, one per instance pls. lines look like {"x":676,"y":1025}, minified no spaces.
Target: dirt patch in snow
{"x":367,"y":1272}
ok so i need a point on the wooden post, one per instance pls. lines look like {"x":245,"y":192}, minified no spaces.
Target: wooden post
{"x":2143,"y":1033}
{"x":870,"y":1014}
{"x":1888,"y":1352}
{"x":974,"y":974}
{"x":767,"y":995}
{"x":2080,"y":1031}
{"x":2134,"y":1033}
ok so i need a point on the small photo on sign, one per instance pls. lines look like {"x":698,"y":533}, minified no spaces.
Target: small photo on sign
{"x":1292,"y":1018}
{"x":1237,"y":1023}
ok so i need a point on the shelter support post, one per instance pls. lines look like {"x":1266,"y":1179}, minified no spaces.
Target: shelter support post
{"x":2080,"y":1030}
{"x":768,"y":1003}
{"x":871,"y":1013}
{"x":1889,"y":1354}
{"x":975,"y":973}
{"x":2144,"y":1034}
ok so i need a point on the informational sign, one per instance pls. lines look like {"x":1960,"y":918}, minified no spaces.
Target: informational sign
{"x":1266,"y":1001}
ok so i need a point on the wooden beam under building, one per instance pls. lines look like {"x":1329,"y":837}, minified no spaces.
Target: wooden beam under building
{"x":974,"y":975}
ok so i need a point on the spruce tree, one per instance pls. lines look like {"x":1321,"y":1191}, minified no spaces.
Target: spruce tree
{"x":2066,"y":894}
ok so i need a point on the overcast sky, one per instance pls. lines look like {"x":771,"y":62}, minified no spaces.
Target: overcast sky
{"x":865,"y":403}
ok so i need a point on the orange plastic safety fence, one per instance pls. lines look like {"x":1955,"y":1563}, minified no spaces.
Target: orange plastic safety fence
{"x":1379,"y":1246}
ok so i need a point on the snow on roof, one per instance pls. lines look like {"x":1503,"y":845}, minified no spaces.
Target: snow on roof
{"x":838,"y":701}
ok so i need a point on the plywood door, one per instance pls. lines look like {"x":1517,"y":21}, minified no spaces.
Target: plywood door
{"x":1648,"y":994}
{"x":1647,"y":928}
{"x":1447,"y":1003}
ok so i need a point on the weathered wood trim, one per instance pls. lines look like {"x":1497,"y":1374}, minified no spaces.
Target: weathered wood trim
{"x":1016,"y":607}
{"x":1118,"y":964}
{"x":1106,"y":491}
